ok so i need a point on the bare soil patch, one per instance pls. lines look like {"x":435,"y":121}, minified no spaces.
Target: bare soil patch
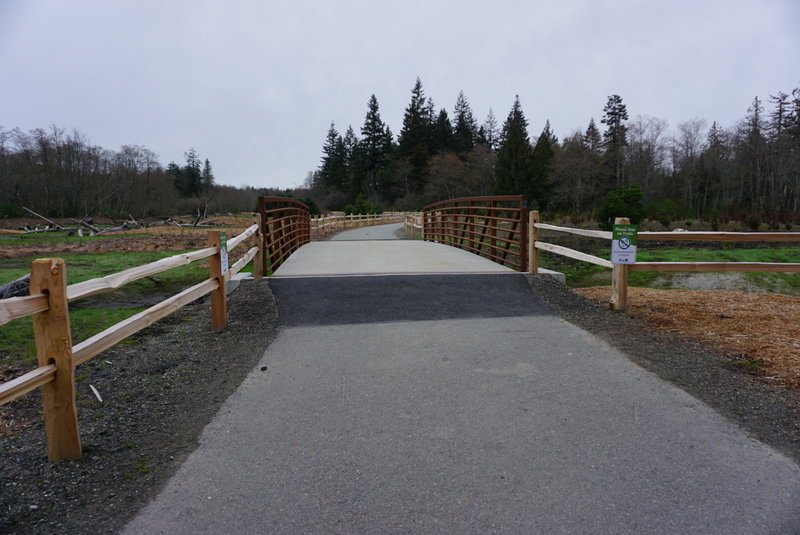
{"x":759,"y":332}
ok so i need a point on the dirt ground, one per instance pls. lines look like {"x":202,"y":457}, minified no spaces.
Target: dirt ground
{"x":160,"y":238}
{"x":758,"y":332}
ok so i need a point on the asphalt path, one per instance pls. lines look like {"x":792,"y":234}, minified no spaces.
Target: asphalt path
{"x":392,"y":231}
{"x":477,"y":411}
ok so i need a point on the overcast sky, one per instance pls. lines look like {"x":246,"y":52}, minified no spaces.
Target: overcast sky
{"x":254,"y":85}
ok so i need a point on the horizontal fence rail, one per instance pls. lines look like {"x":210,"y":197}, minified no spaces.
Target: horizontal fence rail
{"x":57,"y":356}
{"x":620,"y":271}
{"x":493,"y":227}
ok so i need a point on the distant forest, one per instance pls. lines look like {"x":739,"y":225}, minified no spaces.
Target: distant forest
{"x":61,"y":174}
{"x":750,"y":170}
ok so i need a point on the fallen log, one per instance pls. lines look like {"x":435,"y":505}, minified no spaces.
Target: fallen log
{"x":43,"y":217}
{"x":16,"y":288}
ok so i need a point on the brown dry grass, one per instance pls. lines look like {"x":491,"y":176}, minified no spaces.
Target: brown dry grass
{"x":759,"y":332}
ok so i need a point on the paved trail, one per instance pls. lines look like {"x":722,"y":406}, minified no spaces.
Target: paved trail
{"x":459,"y":404}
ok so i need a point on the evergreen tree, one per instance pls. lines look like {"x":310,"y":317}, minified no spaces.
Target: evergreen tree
{"x":374,"y":148}
{"x":352,"y":183}
{"x":615,"y":138}
{"x":513,"y":175}
{"x":189,"y":180}
{"x":333,"y":169}
{"x":465,"y":128}
{"x":415,"y":137}
{"x":442,"y":138}
{"x":207,"y":177}
{"x":543,"y":161}
{"x":592,"y":138}
{"x":488,"y":133}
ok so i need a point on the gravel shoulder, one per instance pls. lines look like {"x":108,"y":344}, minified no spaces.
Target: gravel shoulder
{"x":160,"y":388}
{"x":160,"y":391}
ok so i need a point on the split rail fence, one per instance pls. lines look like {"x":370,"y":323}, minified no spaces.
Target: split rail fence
{"x":619,"y":279}
{"x":48,"y":304}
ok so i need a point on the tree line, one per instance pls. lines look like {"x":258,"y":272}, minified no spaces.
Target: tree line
{"x":64,"y":175}
{"x":751,"y":169}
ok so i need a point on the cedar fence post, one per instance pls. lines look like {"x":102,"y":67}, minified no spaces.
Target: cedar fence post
{"x":619,"y":278}
{"x":54,"y":346}
{"x":533,"y":237}
{"x":219,"y":310}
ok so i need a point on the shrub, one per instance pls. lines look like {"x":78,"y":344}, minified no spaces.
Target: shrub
{"x":622,"y":202}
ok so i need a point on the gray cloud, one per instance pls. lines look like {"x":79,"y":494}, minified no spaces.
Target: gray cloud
{"x":254,"y":85}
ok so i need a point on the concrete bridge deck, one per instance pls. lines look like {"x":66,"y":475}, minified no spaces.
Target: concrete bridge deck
{"x":380,"y":250}
{"x":448,"y":403}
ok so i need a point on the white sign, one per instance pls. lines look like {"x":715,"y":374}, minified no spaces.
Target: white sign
{"x":623,"y":244}
{"x":223,"y":252}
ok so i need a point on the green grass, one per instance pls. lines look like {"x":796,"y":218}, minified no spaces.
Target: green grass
{"x":90,"y":266}
{"x":16,"y":337}
{"x":38,"y":239}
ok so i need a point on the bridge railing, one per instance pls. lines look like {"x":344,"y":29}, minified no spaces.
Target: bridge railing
{"x":48,"y":303}
{"x":285,"y":226}
{"x":493,"y":227}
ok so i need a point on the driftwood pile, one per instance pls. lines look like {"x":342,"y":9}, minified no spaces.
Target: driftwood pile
{"x":86,"y":225}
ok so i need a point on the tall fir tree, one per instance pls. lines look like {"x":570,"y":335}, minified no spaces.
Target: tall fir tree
{"x":415,"y":138}
{"x":615,"y":137}
{"x":513,"y":174}
{"x":375,"y":148}
{"x":465,"y":128}
{"x":543,"y":162}
{"x":333,"y":169}
{"x":592,"y":138}
{"x":442,"y":135}
{"x":488,"y":133}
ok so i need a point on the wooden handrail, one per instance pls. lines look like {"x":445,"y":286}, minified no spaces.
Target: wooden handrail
{"x":755,"y":267}
{"x":579,"y":231}
{"x":233,"y":243}
{"x":11,"y":390}
{"x":120,"y":279}
{"x":21,"y":307}
{"x":770,"y":237}
{"x":619,"y":288}
{"x":51,"y":325}
{"x":113,"y":335}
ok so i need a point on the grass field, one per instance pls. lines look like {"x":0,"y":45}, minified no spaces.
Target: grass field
{"x":94,"y":314}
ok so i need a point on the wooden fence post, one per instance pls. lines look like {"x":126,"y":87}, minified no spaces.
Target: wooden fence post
{"x":533,"y":237}
{"x":619,"y":278}
{"x":258,"y":261}
{"x":219,"y":305}
{"x":54,"y":346}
